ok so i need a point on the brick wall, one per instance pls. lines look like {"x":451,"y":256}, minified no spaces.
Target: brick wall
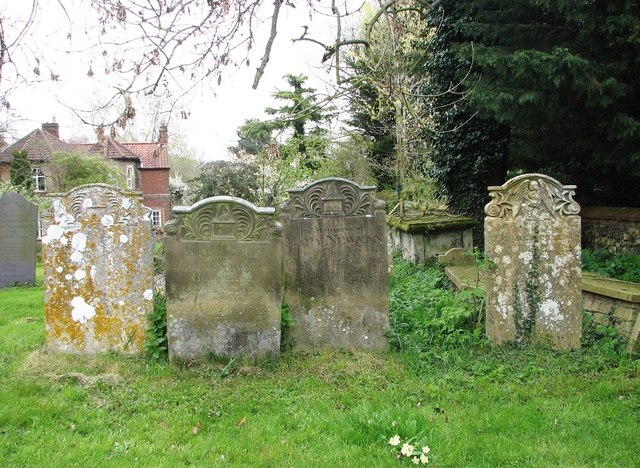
{"x":155,"y":185}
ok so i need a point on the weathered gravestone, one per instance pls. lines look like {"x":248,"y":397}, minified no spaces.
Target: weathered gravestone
{"x":98,"y":266}
{"x":532,"y":242}
{"x":223,"y":260}
{"x":335,"y":266}
{"x":18,"y":237}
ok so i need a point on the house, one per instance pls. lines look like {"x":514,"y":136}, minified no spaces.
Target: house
{"x":144,"y":166}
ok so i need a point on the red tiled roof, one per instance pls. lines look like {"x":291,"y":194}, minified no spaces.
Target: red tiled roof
{"x":110,"y":149}
{"x":152,"y":155}
{"x":39,"y":145}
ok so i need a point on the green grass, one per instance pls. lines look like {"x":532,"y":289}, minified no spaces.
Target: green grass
{"x":472,"y":404}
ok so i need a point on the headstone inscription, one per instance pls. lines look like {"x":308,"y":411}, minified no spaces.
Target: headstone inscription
{"x":532,"y":241}
{"x":18,"y":239}
{"x":223,"y":259}
{"x":98,"y":266}
{"x":335,"y":269}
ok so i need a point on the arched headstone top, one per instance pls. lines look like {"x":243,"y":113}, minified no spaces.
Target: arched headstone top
{"x":532,"y":196}
{"x":332,"y":197}
{"x":98,"y":203}
{"x":223,"y":218}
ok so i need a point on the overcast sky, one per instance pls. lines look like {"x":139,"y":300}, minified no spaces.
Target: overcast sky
{"x":215,"y":111}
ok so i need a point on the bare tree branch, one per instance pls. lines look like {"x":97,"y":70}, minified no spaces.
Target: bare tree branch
{"x":267,"y":51}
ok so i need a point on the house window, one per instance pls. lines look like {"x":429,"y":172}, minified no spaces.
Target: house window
{"x":130,"y":177}
{"x":156,"y":218}
{"x":38,"y":180}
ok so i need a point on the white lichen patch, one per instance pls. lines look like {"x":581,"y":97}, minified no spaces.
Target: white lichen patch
{"x":526,"y":257}
{"x":123,"y":239}
{"x":79,"y":275}
{"x":506,"y":260}
{"x":82,"y":312}
{"x":107,"y":220}
{"x":120,"y":302}
{"x":54,"y":232}
{"x":64,"y":240}
{"x":79,"y":241}
{"x":76,"y":257}
{"x":551,"y":311}
{"x":68,"y":277}
{"x":59,"y":269}
{"x":87,"y":203}
{"x":92,"y":272}
{"x":498,"y":249}
{"x":148,"y":294}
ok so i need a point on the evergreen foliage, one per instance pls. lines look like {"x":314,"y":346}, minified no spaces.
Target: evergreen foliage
{"x":557,"y":82}
{"x":20,"y":170}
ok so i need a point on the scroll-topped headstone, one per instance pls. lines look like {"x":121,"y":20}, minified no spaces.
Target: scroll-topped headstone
{"x":223,"y":259}
{"x":18,"y":237}
{"x":532,"y":240}
{"x":335,"y":266}
{"x":98,"y":265}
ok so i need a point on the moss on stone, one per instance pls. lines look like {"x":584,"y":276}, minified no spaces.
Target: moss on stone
{"x":429,"y":222}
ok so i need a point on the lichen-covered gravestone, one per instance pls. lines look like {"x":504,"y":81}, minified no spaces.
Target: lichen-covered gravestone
{"x":18,"y":237}
{"x":223,"y":260}
{"x":532,"y":243}
{"x":335,"y":266}
{"x":98,"y":266}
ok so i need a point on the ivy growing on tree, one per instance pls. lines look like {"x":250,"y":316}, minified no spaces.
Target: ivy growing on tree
{"x":20,"y":170}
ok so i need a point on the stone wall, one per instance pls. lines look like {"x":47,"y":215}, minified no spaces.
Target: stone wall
{"x":611,"y":228}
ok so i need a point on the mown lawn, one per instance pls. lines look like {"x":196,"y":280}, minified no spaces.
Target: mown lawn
{"x":471,"y":404}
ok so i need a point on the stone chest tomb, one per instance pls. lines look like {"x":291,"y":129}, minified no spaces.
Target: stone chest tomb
{"x":532,"y":243}
{"x":18,"y":236}
{"x":223,"y":267}
{"x":335,"y":266}
{"x":98,"y":267}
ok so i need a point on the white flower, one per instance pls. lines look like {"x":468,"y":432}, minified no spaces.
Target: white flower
{"x":424,"y":459}
{"x":407,"y":449}
{"x":426,"y":449}
{"x":394,"y":423}
{"x":395,"y":440}
{"x":415,"y":460}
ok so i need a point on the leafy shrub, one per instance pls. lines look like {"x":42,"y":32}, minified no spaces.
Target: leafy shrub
{"x":624,"y":266}
{"x":156,"y":344}
{"x":426,"y":312}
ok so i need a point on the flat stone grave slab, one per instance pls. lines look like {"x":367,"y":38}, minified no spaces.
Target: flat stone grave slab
{"x":18,"y":239}
{"x":98,"y":268}
{"x":336,"y":266}
{"x":223,"y":259}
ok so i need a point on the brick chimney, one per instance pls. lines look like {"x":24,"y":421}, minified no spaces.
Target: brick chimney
{"x":163,"y":134}
{"x":52,"y":128}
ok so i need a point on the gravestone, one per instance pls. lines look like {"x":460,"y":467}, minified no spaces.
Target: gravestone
{"x":532,"y":243}
{"x":335,"y":266}
{"x":98,"y":266}
{"x":223,"y":260}
{"x":18,"y":238}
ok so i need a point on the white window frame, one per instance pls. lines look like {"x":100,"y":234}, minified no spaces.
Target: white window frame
{"x":39,"y":179}
{"x":130,"y":178}
{"x":156,"y":218}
